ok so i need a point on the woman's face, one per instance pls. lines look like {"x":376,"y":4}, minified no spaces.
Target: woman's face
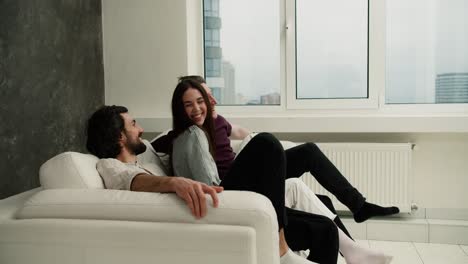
{"x":195,"y":106}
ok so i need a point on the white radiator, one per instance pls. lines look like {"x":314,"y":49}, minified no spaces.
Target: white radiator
{"x":380,"y":171}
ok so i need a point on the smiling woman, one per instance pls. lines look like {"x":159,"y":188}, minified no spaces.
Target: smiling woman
{"x":195,"y":106}
{"x":194,"y":133}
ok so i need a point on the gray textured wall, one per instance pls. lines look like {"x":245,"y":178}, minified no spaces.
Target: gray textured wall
{"x":51,"y":79}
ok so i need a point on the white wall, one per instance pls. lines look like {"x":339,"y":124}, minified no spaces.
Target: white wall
{"x":145,"y":50}
{"x":148,"y":44}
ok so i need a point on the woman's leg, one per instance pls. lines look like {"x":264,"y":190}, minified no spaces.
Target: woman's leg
{"x":309,"y":158}
{"x":260,"y":167}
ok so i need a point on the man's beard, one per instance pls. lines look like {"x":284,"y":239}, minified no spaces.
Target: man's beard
{"x":137,"y":147}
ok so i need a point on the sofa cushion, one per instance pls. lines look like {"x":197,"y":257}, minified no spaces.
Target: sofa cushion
{"x":157,"y":163}
{"x":74,"y":170}
{"x":70,"y":170}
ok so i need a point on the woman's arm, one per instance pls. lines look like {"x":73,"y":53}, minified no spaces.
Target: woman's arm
{"x":192,"y":158}
{"x":238,"y":132}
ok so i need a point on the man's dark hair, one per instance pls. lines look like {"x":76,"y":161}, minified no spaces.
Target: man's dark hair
{"x":104,"y":131}
{"x":195,"y":78}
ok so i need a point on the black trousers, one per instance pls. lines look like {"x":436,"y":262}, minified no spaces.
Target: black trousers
{"x":317,"y":233}
{"x":261,"y":168}
{"x":309,"y":158}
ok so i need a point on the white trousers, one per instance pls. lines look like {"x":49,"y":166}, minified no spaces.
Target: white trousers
{"x":300,"y":197}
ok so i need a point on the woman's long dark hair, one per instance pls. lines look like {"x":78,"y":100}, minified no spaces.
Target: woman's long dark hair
{"x":180,"y":119}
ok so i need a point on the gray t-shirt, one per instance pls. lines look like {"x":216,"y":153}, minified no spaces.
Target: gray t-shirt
{"x":191,"y":157}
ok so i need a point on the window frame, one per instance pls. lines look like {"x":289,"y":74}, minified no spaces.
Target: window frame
{"x":371,"y":102}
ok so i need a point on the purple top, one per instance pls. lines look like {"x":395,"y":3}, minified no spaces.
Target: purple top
{"x":224,"y":153}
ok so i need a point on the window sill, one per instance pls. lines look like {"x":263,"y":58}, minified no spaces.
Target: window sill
{"x":334,"y":124}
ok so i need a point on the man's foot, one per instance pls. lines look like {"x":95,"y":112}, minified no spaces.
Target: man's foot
{"x":369,"y":210}
{"x":291,"y":258}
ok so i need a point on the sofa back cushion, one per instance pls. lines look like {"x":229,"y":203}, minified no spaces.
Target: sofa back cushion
{"x":70,"y":170}
{"x":74,"y":170}
{"x":157,"y":163}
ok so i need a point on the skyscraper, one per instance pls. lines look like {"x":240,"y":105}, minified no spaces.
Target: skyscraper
{"x":213,"y":51}
{"x":452,"y":88}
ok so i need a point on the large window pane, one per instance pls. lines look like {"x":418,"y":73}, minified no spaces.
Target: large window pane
{"x":242,"y":51}
{"x":331,"y":48}
{"x":427,"y":51}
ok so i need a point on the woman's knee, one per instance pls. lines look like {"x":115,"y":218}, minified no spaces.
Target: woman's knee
{"x":267,"y":141}
{"x":311,"y":147}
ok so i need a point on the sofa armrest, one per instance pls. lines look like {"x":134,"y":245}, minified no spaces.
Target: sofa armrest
{"x":239,"y":208}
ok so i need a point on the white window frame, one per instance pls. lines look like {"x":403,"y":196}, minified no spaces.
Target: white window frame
{"x":293,"y":103}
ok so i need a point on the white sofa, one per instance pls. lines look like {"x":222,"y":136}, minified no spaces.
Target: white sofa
{"x":72,"y":219}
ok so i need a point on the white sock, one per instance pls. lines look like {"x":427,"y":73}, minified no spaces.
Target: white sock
{"x":291,"y":258}
{"x":356,"y":254}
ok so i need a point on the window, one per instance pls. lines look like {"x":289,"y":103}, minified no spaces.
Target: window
{"x":427,"y":54}
{"x":242,"y":51}
{"x":211,"y":8}
{"x":331,"y":49}
{"x":213,"y":67}
{"x":212,"y":38}
{"x":337,"y":55}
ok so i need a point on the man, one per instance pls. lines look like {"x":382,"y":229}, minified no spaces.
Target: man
{"x":300,"y":159}
{"x":114,"y":137}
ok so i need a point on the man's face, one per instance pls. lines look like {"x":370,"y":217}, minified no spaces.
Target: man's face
{"x":213,"y":101}
{"x":132,"y":135}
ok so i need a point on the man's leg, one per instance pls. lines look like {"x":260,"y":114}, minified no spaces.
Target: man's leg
{"x":316,"y":233}
{"x":300,"y":197}
{"x":309,"y":158}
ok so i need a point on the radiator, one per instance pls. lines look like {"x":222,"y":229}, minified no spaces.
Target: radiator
{"x":380,"y":171}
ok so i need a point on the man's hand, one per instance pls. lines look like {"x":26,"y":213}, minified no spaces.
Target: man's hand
{"x":193,"y":193}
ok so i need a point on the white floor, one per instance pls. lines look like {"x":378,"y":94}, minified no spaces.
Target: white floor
{"x":418,"y":253}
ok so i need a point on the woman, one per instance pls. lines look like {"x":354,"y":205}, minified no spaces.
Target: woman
{"x":260,"y":167}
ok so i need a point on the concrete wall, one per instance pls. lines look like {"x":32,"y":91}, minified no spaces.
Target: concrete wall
{"x":51,"y":79}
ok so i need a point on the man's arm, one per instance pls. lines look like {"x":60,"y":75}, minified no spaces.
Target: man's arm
{"x":192,"y":192}
{"x":238,"y":132}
